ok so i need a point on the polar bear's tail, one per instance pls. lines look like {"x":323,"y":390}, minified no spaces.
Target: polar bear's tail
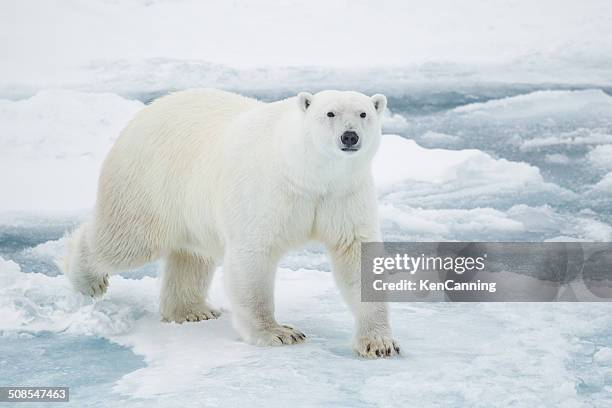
{"x":80,"y":266}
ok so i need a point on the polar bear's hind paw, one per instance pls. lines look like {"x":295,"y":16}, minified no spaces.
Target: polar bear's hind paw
{"x":277,"y":336}
{"x":195,"y":313}
{"x":91,"y":285}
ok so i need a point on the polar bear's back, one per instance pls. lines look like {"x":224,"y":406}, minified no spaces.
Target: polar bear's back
{"x":164,"y":139}
{"x":146,"y":175}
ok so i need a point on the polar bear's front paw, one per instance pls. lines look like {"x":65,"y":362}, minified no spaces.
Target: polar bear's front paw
{"x":276,"y":336}
{"x":191,"y":313}
{"x":376,"y":346}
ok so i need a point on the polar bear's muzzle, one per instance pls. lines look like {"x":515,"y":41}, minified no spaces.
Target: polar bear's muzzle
{"x":349,"y":141}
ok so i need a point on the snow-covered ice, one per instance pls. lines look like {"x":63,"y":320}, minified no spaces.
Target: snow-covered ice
{"x":454,"y":354}
{"x":543,"y":104}
{"x":600,"y":156}
{"x":46,"y":137}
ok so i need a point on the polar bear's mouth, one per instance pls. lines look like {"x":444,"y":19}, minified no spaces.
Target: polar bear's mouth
{"x":350,"y":149}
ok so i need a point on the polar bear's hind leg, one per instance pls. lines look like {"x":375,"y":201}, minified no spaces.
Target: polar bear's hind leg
{"x":185,"y":282}
{"x":97,"y":249}
{"x":80,"y":265}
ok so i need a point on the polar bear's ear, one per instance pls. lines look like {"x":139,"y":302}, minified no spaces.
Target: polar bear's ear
{"x":380,"y":103}
{"x":304,"y":100}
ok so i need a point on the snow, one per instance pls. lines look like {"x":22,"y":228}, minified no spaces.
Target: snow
{"x":399,"y":159}
{"x":603,"y":357}
{"x":47,"y":137}
{"x":542,"y":104}
{"x":421,"y":224}
{"x":476,"y":32}
{"x":518,"y":223}
{"x":557,"y":158}
{"x":440,"y":139}
{"x":604,"y":185}
{"x":168,"y":45}
{"x":436,"y":177}
{"x":601,"y":156}
{"x":434,"y":166}
{"x":580,"y":137}
{"x":552,"y":130}
{"x":393,"y":122}
{"x":470,"y":356}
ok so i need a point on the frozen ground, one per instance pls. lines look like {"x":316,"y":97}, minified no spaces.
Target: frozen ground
{"x":500,"y":129}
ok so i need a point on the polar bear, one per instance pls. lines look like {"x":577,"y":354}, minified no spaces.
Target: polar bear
{"x":204,"y":176}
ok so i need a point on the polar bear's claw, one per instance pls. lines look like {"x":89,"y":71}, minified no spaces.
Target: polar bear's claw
{"x":376,"y":347}
{"x":194,"y":313}
{"x":92,"y":286}
{"x":278,"y":336}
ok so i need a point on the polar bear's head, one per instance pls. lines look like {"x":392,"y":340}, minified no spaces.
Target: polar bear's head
{"x":343,"y":124}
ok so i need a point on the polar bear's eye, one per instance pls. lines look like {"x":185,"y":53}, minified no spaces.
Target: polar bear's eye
{"x":363,"y":114}
{"x":330,"y":114}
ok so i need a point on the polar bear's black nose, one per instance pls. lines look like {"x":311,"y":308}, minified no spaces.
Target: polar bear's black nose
{"x":349,"y":138}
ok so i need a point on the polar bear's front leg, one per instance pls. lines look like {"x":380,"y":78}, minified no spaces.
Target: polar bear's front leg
{"x":249,"y":280}
{"x":373,"y":334}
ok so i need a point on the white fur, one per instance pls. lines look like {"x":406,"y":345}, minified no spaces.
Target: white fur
{"x":204,"y":176}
